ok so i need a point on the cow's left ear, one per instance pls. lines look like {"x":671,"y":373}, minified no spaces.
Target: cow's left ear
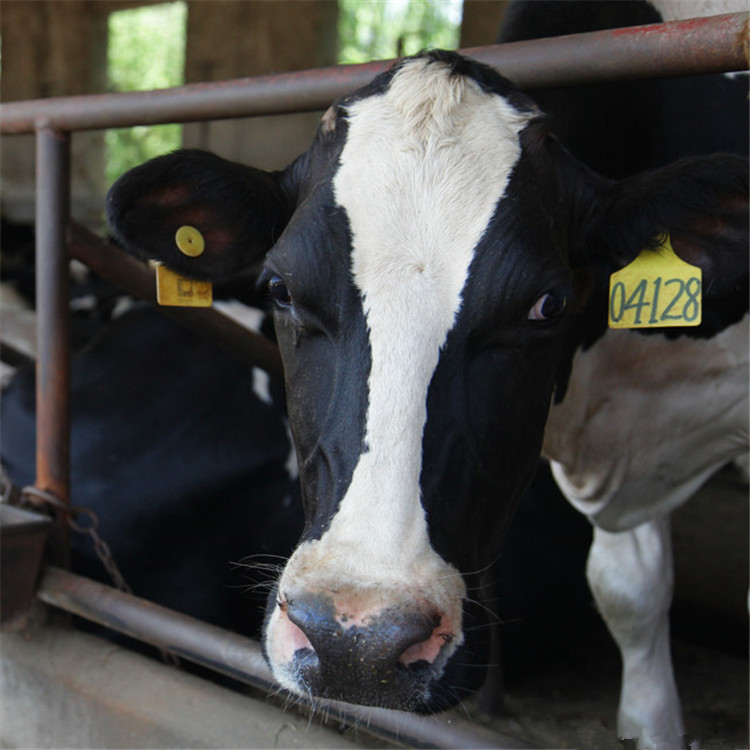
{"x":235,"y":212}
{"x":701,"y":203}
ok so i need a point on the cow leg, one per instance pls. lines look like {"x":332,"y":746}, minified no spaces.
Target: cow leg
{"x":630,"y":574}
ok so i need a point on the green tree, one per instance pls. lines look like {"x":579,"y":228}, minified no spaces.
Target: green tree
{"x":146,"y":50}
{"x":382,"y":29}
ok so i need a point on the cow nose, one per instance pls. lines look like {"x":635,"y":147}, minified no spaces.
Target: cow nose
{"x":373,"y":659}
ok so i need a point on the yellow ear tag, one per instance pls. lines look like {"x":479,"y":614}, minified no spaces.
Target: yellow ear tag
{"x":175,"y":290}
{"x":658,"y":289}
{"x":190,"y":241}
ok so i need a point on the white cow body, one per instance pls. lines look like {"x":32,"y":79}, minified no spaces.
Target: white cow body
{"x":646,"y":421}
{"x":643,"y":424}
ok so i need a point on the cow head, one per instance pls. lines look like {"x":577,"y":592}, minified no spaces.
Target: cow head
{"x":423,"y":257}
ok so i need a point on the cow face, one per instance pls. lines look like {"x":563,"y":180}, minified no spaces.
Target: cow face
{"x":419,"y":260}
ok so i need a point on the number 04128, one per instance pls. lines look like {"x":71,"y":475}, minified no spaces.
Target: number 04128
{"x":658,"y":289}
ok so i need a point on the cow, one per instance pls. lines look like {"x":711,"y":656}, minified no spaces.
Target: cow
{"x":438,"y":264}
{"x":653,"y":123}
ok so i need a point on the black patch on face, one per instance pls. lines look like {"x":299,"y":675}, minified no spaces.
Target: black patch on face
{"x":489,"y":397}
{"x":323,"y":338}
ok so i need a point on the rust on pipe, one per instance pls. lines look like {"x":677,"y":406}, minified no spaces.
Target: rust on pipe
{"x":136,"y":278}
{"x":241,"y":659}
{"x":716,"y":44}
{"x":53,"y":332}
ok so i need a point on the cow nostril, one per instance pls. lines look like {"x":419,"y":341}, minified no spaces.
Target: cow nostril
{"x":428,"y":650}
{"x":393,"y":637}
{"x":296,"y":638}
{"x":385,"y":658}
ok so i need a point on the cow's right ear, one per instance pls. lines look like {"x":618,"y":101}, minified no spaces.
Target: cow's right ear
{"x":239,"y":212}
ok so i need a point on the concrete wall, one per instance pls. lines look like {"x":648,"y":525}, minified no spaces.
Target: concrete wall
{"x":64,"y":689}
{"x":236,"y":38}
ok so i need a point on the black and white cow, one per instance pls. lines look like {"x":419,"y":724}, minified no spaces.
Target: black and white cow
{"x":437,"y":260}
{"x":625,"y":478}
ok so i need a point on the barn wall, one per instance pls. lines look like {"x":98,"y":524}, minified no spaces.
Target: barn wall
{"x":234,"y":39}
{"x":481,"y":20}
{"x":52,"y":48}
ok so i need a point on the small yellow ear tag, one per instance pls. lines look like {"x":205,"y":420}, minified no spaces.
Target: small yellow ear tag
{"x":174,"y":290}
{"x":658,"y":289}
{"x":190,"y":241}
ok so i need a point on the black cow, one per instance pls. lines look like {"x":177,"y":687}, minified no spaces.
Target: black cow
{"x":436,"y":259}
{"x":184,"y":455}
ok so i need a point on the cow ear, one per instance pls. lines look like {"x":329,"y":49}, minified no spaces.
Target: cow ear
{"x":238,"y":211}
{"x":701,"y":203}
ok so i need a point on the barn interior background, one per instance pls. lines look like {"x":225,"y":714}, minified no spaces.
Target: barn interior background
{"x":52,"y":48}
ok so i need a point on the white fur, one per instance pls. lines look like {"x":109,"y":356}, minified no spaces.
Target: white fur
{"x":620,"y":460}
{"x":421,"y":173}
{"x":262,"y":385}
{"x":644,"y":422}
{"x":679,"y":10}
{"x":630,"y":575}
{"x":249,"y":317}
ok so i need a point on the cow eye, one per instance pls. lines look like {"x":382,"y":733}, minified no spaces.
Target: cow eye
{"x":550,"y":305}
{"x":279,"y":291}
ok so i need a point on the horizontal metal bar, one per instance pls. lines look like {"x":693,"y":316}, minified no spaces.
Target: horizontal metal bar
{"x":241,"y":659}
{"x":715,"y":44}
{"x":13,"y":357}
{"x":134,"y":277}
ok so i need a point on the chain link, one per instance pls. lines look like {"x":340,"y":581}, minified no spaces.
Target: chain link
{"x":84,"y":521}
{"x":90,"y":527}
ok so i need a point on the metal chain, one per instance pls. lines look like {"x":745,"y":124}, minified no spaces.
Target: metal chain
{"x":84,"y":521}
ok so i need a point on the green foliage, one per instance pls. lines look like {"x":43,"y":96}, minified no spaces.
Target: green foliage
{"x":146,"y":50}
{"x":382,"y":29}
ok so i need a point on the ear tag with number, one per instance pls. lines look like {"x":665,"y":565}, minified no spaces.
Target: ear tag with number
{"x":658,"y":289}
{"x":175,"y":290}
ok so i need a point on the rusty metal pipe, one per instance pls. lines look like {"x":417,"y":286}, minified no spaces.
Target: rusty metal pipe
{"x":241,"y":659}
{"x":715,"y":44}
{"x":53,"y":330}
{"x":134,"y":277}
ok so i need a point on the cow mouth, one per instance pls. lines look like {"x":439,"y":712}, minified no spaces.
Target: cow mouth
{"x":403,"y":687}
{"x":393,"y":660}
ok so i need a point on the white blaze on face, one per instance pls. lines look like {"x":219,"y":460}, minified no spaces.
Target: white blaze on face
{"x":421,"y":173}
{"x":423,"y":169}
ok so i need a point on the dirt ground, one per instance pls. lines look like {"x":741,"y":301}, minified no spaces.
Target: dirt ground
{"x":573,"y":704}
{"x":567,"y":697}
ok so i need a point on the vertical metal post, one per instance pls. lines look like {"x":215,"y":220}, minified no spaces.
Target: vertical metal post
{"x":53,"y":330}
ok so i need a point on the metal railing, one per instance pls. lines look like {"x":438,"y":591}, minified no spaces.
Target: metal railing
{"x":716,"y":44}
{"x":699,"y":46}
